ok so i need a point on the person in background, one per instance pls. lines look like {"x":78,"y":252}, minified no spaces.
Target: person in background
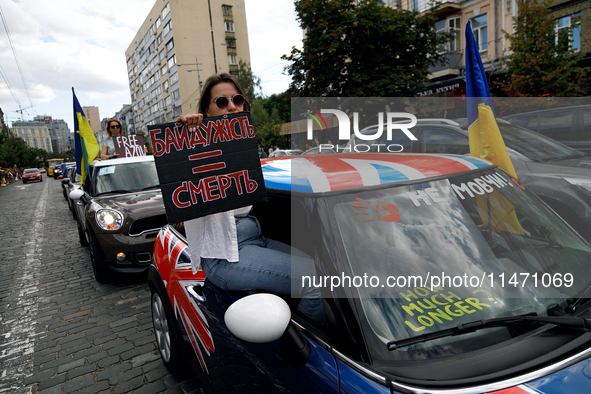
{"x":114,"y":129}
{"x":233,"y":252}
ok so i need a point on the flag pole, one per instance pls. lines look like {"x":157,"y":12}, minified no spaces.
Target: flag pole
{"x":85,"y":157}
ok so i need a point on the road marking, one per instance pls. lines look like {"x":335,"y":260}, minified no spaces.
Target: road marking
{"x":21,"y":331}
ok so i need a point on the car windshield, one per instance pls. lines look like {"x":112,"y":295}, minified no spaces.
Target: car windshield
{"x":121,"y":178}
{"x":478,"y":245}
{"x":30,"y":171}
{"x":535,"y":146}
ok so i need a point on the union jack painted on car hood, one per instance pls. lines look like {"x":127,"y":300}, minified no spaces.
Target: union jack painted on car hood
{"x":333,"y":172}
{"x":173,"y":258}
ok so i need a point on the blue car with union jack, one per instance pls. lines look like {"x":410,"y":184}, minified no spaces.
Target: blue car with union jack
{"x":439,"y":274}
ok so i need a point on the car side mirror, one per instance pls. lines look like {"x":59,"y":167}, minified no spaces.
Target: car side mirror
{"x":76,"y":194}
{"x":65,"y":181}
{"x":258,"y":318}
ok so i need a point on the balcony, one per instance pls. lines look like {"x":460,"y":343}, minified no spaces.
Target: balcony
{"x":444,"y":9}
{"x":451,"y":65}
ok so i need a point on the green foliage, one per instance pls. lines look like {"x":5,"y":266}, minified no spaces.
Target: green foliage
{"x":267,"y":126}
{"x":15,"y":151}
{"x":539,"y":65}
{"x":278,"y":102}
{"x":361,"y":50}
{"x":250,"y":83}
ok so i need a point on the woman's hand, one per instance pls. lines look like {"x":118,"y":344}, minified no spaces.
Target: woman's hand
{"x":192,"y":121}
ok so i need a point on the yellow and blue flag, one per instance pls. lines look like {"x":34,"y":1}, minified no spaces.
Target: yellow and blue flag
{"x":87,"y":148}
{"x":485,"y":137}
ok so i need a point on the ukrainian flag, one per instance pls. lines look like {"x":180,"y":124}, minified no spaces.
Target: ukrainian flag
{"x":87,"y":148}
{"x":484,"y":134}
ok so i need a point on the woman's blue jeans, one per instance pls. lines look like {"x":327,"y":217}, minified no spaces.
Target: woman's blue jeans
{"x":265,"y":264}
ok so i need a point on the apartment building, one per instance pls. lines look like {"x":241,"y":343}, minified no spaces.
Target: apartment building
{"x":178,"y":46}
{"x":488,"y":19}
{"x":59,"y":131}
{"x":94,"y":120}
{"x":35,"y":134}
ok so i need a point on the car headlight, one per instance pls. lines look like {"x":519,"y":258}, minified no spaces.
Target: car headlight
{"x":583,"y":183}
{"x":109,"y":219}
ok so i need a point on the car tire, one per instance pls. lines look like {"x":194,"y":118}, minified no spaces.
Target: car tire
{"x":96,"y":256}
{"x":41,"y":179}
{"x":81,"y":235}
{"x":24,"y":182}
{"x":165,"y":333}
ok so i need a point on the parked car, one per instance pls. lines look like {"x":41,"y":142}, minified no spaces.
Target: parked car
{"x":119,"y":211}
{"x":70,"y":183}
{"x":569,"y":125}
{"x":57,"y":171}
{"x":285,"y":152}
{"x":383,"y":217}
{"x":32,"y":174}
{"x":559,"y":175}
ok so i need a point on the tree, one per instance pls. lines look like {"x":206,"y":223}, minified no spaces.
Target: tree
{"x":267,"y":126}
{"x":250,"y":83}
{"x":540,"y":64}
{"x":361,"y":50}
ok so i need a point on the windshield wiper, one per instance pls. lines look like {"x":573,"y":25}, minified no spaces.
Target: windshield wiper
{"x":150,"y":187}
{"x":566,"y":321}
{"x":116,"y":191}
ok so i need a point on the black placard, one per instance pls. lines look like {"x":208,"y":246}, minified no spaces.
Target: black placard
{"x":213,"y":169}
{"x":129,"y":145}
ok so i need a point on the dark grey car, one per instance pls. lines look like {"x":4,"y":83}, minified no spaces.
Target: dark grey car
{"x":559,"y":175}
{"x":569,"y":125}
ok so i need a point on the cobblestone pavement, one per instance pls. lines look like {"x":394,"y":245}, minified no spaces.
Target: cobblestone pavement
{"x":60,"y":330}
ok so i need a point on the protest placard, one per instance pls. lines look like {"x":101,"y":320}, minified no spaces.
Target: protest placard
{"x":213,"y":169}
{"x":129,"y":145}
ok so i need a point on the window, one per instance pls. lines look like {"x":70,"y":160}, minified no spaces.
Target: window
{"x":479,"y":29}
{"x":171,"y":61}
{"x":233,"y":59}
{"x":556,"y":125}
{"x":453,"y":27}
{"x":227,"y":9}
{"x":174,"y":79}
{"x":166,"y":10}
{"x":167,"y":101}
{"x":166,"y":86}
{"x":158,"y":22}
{"x":229,"y":26}
{"x":234,"y":74}
{"x":167,"y":28}
{"x":170,"y":45}
{"x":176,"y":95}
{"x":164,"y":69}
{"x":231,"y":42}
{"x":568,"y":32}
{"x":443,"y":141}
{"x":159,"y":39}
{"x":162,"y":54}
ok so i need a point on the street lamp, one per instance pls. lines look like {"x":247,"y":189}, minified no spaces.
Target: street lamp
{"x":198,"y":76}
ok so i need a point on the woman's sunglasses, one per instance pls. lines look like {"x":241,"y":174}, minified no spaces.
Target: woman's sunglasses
{"x":116,"y":126}
{"x":222,"y":102}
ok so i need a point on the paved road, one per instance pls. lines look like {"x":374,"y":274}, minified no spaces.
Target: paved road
{"x":60,"y":330}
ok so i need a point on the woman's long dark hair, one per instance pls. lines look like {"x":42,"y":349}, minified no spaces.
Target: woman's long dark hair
{"x":205,"y":98}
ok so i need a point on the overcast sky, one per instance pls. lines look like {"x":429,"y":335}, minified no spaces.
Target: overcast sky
{"x":60,"y":44}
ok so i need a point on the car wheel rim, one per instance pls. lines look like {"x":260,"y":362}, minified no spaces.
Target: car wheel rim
{"x":161,"y":328}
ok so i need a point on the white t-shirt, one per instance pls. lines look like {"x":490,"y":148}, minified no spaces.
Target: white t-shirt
{"x":214,"y":236}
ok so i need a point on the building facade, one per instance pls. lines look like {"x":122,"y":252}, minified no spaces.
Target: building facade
{"x":61,"y":141}
{"x":179,"y":45}
{"x":35,"y":134}
{"x":125,"y":116}
{"x":61,"y":137}
{"x":92,"y":115}
{"x":489,"y":20}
